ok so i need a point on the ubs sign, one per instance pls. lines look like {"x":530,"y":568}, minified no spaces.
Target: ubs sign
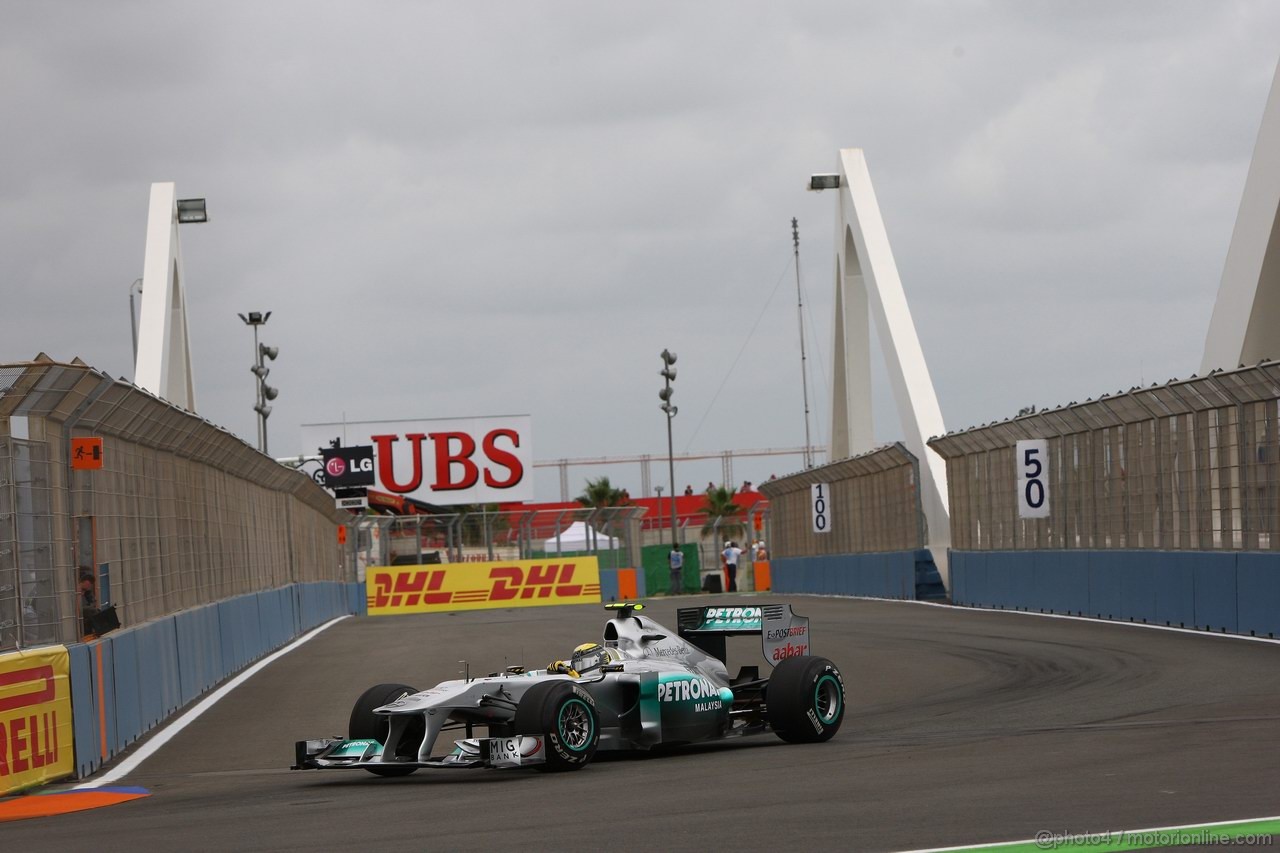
{"x":444,"y":461}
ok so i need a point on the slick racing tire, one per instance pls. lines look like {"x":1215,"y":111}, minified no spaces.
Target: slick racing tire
{"x":366,"y":725}
{"x":805,"y":699}
{"x":565,"y":716}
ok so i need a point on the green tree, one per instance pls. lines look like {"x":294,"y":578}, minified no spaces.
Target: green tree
{"x":719,"y":503}
{"x":600,"y":492}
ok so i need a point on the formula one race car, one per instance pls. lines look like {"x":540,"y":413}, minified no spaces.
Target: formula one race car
{"x":642,"y":687}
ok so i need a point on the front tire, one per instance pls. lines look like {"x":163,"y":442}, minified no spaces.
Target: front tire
{"x":565,"y":716}
{"x":366,"y":725}
{"x":805,"y":700}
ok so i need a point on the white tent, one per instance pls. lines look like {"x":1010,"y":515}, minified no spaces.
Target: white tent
{"x":579,"y":537}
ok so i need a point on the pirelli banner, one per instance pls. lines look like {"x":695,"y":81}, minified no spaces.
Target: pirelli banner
{"x":482,"y":586}
{"x":35,"y":718}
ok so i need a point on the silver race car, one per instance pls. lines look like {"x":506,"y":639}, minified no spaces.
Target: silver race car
{"x":641,"y":687}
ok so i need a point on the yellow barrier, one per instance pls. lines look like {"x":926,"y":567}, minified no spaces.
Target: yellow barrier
{"x":35,"y":718}
{"x":481,"y":586}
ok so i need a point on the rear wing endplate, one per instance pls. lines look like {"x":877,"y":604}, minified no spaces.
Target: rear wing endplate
{"x":783,"y":634}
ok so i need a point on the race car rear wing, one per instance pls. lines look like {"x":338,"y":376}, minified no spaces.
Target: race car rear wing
{"x":783,"y":634}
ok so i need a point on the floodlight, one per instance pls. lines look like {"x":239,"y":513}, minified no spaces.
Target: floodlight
{"x":192,"y":210}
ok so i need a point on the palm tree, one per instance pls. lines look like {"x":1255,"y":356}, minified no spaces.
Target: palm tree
{"x":601,"y":493}
{"x":719,"y":504}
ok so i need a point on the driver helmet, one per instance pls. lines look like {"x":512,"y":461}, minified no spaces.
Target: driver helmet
{"x":589,"y":657}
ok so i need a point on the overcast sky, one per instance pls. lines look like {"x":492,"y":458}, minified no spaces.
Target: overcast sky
{"x":459,"y":209}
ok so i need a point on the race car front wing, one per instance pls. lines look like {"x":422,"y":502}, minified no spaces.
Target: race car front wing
{"x":500,"y":752}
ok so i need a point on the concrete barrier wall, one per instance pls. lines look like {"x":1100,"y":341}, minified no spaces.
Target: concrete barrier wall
{"x":127,"y":682}
{"x":1234,"y":592}
{"x":612,"y":590}
{"x":891,"y":574}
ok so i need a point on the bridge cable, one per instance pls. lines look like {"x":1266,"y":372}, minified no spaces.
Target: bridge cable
{"x":763,"y":310}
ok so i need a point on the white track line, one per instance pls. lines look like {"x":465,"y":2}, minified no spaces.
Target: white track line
{"x":124,"y":768}
{"x":1116,"y":834}
{"x":1092,"y":619}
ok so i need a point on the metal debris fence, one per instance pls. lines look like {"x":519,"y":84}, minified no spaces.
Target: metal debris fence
{"x":611,"y":534}
{"x":873,"y":503}
{"x":181,"y":513}
{"x":616,"y":536}
{"x":1190,"y":465}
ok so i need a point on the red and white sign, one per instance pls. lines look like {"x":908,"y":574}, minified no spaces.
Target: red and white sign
{"x":446,"y":461}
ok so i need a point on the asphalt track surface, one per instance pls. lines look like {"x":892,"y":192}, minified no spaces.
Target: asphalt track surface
{"x":963,"y":727}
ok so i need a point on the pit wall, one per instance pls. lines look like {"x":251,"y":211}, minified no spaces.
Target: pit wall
{"x":909,"y":575}
{"x":127,"y":682}
{"x":1232,"y":592}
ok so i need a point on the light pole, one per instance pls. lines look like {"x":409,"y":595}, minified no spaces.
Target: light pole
{"x":658,"y":489}
{"x":668,"y":373}
{"x":266,"y":393}
{"x":804,"y":371}
{"x":133,"y":320}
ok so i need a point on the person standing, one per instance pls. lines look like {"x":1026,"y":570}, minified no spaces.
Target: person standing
{"x":731,"y":554}
{"x":88,"y":600}
{"x":675,"y":584}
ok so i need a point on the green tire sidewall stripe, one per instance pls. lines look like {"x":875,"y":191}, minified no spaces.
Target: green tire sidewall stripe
{"x":591,"y":735}
{"x":839,"y":700}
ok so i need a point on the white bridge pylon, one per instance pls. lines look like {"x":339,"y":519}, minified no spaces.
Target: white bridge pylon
{"x":163,"y":364}
{"x":867,"y":288}
{"x":1245,"y":326}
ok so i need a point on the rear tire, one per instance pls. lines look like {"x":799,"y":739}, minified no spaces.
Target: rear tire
{"x":366,"y":725}
{"x":564,"y":715}
{"x":805,"y":700}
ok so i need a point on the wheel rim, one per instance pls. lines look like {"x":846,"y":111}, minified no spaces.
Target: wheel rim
{"x":577,"y":729}
{"x":827,"y":701}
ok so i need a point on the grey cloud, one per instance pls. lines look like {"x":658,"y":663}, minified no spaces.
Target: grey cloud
{"x":456,"y":209}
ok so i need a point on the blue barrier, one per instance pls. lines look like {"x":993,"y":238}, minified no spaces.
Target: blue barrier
{"x":1137,"y":586}
{"x":193,"y":661}
{"x":1172,"y":578}
{"x":834,"y":581}
{"x":999,"y":576}
{"x":968,"y":570}
{"x":127,"y":682}
{"x":128,"y":702}
{"x":1064,"y":583}
{"x":608,"y":585}
{"x":1214,"y":585}
{"x":357,"y":602}
{"x":1258,"y":594}
{"x":84,"y":710}
{"x":891,"y":574}
{"x":1235,"y":592}
{"x":1018,"y":572}
{"x":1105,"y":586}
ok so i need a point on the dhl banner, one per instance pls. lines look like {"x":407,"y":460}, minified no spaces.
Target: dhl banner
{"x":35,"y":717}
{"x":480,"y":586}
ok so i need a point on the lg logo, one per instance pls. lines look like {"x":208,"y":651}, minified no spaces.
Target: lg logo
{"x":337,"y":466}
